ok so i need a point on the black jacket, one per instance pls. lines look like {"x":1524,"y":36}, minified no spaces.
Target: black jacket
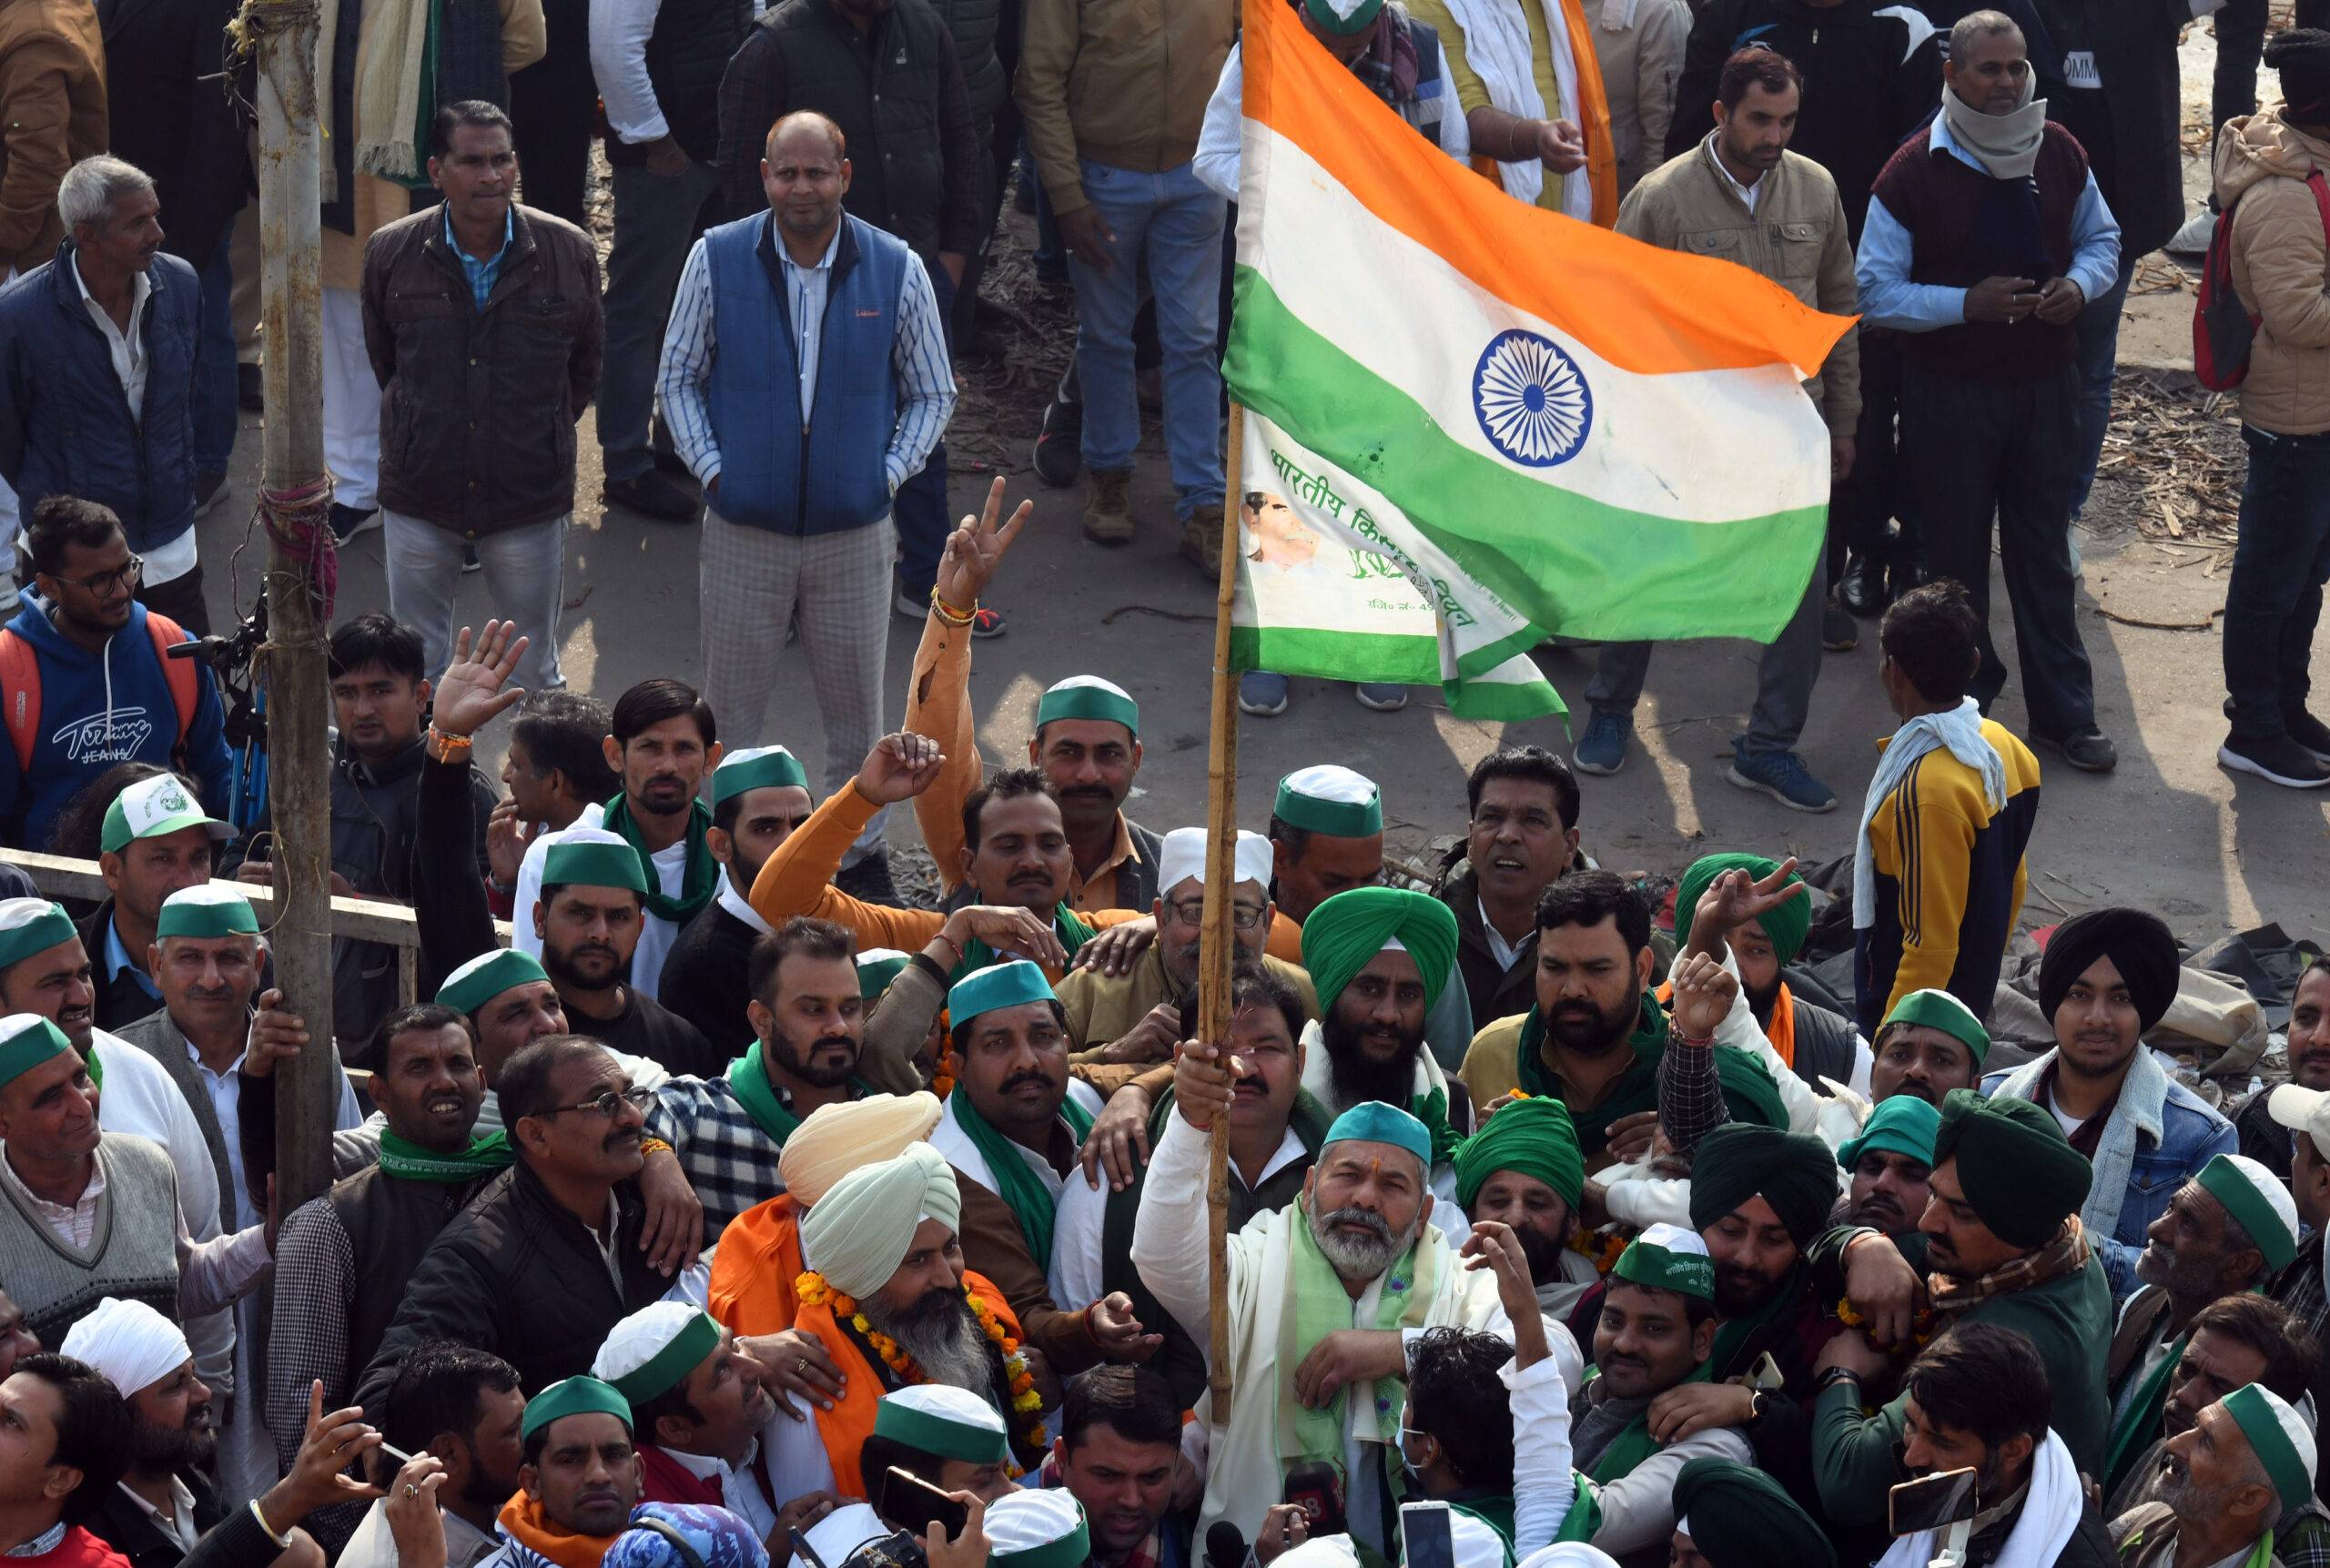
{"x":123,"y":1525}
{"x":121,"y":1000}
{"x":703,"y":979}
{"x":516,"y":1274}
{"x":1872,"y":73}
{"x":2128,"y":126}
{"x":186,"y":133}
{"x":1496,"y":991}
{"x":686,"y":55}
{"x":917,"y":168}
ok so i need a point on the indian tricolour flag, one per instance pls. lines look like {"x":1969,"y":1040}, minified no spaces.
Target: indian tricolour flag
{"x":1472,"y":424}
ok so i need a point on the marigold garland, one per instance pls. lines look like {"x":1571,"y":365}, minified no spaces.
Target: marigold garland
{"x":1921,"y":1326}
{"x":1603,"y":1249}
{"x":813,"y":1290}
{"x":942,"y":1078}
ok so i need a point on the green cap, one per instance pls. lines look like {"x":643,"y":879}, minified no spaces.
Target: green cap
{"x":572,"y":1396}
{"x":154,"y":807}
{"x":876,"y":967}
{"x":1372,"y":1121}
{"x":1089,"y":697}
{"x":656,"y":1348}
{"x":760,"y":767}
{"x":1936,"y":1009}
{"x":1668,"y":1258}
{"x":937,"y":1418}
{"x":1331,"y":800}
{"x":2279,"y":1437}
{"x":1038,"y":1527}
{"x":26,"y":1040}
{"x":212,"y":909}
{"x":30,"y":925}
{"x":1342,"y":18}
{"x":2256,"y":1199}
{"x":486,"y":976}
{"x":1901,"y":1124}
{"x":593,"y":858}
{"x":997,"y":985}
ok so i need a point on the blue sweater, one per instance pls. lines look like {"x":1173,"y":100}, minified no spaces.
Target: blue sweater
{"x":99,"y":709}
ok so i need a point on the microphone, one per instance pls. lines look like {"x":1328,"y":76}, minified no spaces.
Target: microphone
{"x":1224,"y":1546}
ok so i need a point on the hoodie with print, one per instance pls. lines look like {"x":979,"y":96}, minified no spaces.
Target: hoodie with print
{"x":98,"y":709}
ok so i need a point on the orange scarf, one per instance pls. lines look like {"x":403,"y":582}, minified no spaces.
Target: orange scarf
{"x":753,"y":1269}
{"x":1780,"y":1031}
{"x":524,"y":1520}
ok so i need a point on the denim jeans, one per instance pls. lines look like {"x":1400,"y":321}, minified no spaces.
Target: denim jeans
{"x":2098,"y":353}
{"x":525,"y":571}
{"x":1174,"y":223}
{"x":919,"y":509}
{"x":2279,"y":565}
{"x":655,"y":224}
{"x":215,"y":408}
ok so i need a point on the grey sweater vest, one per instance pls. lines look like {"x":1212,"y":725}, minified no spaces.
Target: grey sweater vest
{"x":133,"y":1252}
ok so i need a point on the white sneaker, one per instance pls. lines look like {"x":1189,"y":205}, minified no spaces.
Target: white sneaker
{"x":2193,"y":239}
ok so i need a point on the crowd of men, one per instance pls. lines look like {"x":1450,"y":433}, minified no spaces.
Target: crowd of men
{"x":727,"y":1208}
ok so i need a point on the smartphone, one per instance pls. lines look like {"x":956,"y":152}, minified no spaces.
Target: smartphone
{"x":1931,"y":1502}
{"x":1424,"y":1535}
{"x":1320,"y":1492}
{"x":914,"y":1505}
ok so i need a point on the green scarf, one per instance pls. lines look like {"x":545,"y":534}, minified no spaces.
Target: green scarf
{"x":1320,"y":1307}
{"x":1583,"y":1519}
{"x":703,"y":878}
{"x":1736,"y":1333}
{"x":2134,"y":1432}
{"x":482,"y":1158}
{"x":1020,"y":1188}
{"x":1072,"y":933}
{"x":1432,"y":1110}
{"x":1635,"y":1090}
{"x":748,"y":1081}
{"x":1633,"y":1444}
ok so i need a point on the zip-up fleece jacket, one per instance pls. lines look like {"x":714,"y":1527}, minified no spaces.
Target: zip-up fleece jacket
{"x":97,"y":710}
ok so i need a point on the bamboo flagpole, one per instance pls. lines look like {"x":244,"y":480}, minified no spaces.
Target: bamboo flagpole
{"x":1216,"y":941}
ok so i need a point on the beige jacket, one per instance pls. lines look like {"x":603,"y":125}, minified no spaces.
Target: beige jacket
{"x":2281,"y":269}
{"x":1796,"y":236}
{"x":1121,"y":82}
{"x":1639,"y":43}
{"x":52,"y":115}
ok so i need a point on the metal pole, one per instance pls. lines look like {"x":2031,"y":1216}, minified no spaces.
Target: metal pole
{"x":291,"y":249}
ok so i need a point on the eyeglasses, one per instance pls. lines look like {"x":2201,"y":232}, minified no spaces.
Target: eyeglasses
{"x":1192,"y":913}
{"x":609,"y":1103}
{"x":103,"y":584}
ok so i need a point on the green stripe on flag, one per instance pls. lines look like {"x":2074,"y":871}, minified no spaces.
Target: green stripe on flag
{"x":1514,"y":690}
{"x":1573,"y":565}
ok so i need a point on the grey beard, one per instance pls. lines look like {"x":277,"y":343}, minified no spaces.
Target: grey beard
{"x":950,"y":1348}
{"x":1354,"y":1259}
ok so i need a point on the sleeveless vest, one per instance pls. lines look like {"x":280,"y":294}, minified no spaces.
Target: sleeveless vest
{"x":132,"y":1250}
{"x":391,"y":1222}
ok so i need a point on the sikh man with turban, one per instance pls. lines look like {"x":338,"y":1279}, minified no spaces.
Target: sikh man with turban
{"x":1728,"y":1515}
{"x":2228,"y":1230}
{"x":1523,"y":1170}
{"x":1761,"y":921}
{"x":2001,"y":1243}
{"x":166,"y":1498}
{"x":1324,"y":1295}
{"x":884,"y":1267}
{"x":2106,"y":977}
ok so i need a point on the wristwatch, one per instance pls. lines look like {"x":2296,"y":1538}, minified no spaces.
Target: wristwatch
{"x":1758,"y":1401}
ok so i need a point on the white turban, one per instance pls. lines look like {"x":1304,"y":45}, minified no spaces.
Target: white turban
{"x":135,"y":1346}
{"x":1320,"y":1551}
{"x":834,"y":1139}
{"x":858,"y":1233}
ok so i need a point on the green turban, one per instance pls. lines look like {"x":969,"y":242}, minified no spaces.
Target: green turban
{"x":1786,"y":926}
{"x":1749,"y":1091}
{"x":1793,"y":1172}
{"x":1902,"y":1124}
{"x":2020,"y":1175}
{"x":1344,"y":934}
{"x":1739,"y":1517}
{"x":1533,"y":1137}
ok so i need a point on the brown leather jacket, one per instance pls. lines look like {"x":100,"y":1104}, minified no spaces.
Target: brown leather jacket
{"x":52,"y":115}
{"x":478,"y":406}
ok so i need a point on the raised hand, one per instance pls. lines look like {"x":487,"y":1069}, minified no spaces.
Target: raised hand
{"x":899,"y":767}
{"x":471,"y":695}
{"x":1704,"y":990}
{"x":975,"y":550}
{"x":1734,"y":898}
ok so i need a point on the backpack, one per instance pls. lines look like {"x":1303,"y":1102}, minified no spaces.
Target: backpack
{"x":20,"y":687}
{"x":2223,"y":327}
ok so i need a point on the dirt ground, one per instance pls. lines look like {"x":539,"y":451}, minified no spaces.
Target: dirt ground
{"x":2168,"y":831}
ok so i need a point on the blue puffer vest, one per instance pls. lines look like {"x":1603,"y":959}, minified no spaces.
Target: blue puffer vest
{"x":79,"y":435}
{"x":777,"y":471}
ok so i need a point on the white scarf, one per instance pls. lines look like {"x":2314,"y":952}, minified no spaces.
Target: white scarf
{"x":1496,"y":45}
{"x":2006,"y":145}
{"x":1960,"y":731}
{"x":2050,"y":1512}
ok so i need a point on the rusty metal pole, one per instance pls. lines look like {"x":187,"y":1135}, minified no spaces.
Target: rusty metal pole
{"x":284,"y":33}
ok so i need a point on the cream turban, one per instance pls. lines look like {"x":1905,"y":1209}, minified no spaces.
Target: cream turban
{"x":860,"y":1231}
{"x":834,"y":1139}
{"x":135,"y":1346}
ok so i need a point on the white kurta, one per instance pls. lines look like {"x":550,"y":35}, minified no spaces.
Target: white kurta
{"x":1245,"y":1477}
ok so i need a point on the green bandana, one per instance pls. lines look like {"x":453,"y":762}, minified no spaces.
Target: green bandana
{"x":703,"y":878}
{"x":1072,"y":934}
{"x":2140,"y":1424}
{"x":1319,"y":1307}
{"x":1633,"y":1444}
{"x":748,"y":1081}
{"x":1020,"y":1188}
{"x":1635,"y":1090}
{"x":483,"y":1157}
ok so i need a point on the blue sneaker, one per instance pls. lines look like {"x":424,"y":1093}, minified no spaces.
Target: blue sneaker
{"x":1262,"y":693}
{"x":1603,"y":748}
{"x":1381,"y":697}
{"x":1783,"y":777}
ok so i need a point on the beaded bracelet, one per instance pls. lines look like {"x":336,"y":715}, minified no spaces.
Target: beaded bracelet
{"x":949,"y":614}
